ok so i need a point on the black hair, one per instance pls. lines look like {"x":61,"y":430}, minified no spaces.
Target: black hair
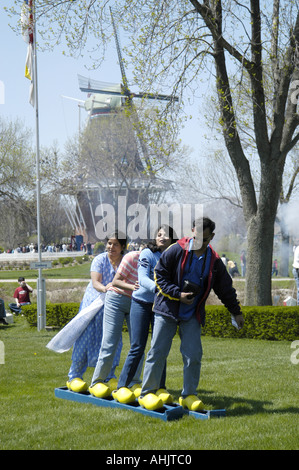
{"x":204,"y":223}
{"x":21,"y":279}
{"x":168,"y":230}
{"x":119,"y":236}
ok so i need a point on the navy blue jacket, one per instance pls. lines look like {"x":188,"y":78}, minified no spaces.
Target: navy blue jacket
{"x":168,"y":274}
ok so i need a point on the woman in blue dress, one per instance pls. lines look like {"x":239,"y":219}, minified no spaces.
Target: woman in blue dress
{"x":87,"y":346}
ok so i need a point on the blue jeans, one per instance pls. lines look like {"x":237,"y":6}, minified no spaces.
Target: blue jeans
{"x":191,"y":350}
{"x":296,"y":277}
{"x":116,"y":310}
{"x":2,"y":309}
{"x":15,"y":309}
{"x":141,"y":317}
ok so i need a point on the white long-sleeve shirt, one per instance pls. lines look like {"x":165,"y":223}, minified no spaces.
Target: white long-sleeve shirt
{"x":296,"y":258}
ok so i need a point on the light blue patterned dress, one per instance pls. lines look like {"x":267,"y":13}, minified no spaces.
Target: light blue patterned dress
{"x":87,"y":346}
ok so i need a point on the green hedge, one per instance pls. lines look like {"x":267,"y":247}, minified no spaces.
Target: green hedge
{"x":57,"y":315}
{"x":271,"y":323}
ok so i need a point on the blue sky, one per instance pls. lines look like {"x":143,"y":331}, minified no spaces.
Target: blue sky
{"x":57,"y":76}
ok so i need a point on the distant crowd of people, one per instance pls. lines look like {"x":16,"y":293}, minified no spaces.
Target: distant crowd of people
{"x":54,"y":248}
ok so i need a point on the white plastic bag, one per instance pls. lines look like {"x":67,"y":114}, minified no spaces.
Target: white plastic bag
{"x":66,"y":337}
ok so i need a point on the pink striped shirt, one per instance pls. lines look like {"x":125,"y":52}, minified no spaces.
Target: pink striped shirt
{"x":128,"y":270}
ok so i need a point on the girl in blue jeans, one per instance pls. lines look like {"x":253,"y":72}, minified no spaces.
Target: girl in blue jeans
{"x":116,"y":310}
{"x":141,"y":314}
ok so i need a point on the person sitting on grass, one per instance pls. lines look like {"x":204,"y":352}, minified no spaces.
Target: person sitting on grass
{"x":22,"y":296}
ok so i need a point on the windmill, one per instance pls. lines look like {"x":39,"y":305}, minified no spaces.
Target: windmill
{"x":94,"y":86}
{"x":118,"y":95}
{"x":103,"y":100}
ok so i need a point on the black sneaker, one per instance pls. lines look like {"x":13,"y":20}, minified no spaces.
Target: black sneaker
{"x":3,"y":321}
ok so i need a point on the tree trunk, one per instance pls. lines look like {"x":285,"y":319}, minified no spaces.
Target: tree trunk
{"x":259,"y":261}
{"x":260,"y":237}
{"x":259,"y":213}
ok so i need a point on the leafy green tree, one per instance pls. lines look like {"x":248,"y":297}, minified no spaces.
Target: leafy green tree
{"x":17,"y":179}
{"x":173,"y":44}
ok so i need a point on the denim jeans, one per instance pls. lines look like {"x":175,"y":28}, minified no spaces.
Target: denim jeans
{"x":17,"y":310}
{"x":2,"y":309}
{"x":141,"y":317}
{"x":116,"y":310}
{"x":296,"y":277}
{"x":191,"y":350}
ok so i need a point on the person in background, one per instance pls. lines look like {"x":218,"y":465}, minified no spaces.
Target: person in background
{"x":233,"y":268}
{"x":2,"y":313}
{"x":224,"y":259}
{"x":274,"y":268}
{"x":22,"y":296}
{"x":243,"y":263}
{"x":296,"y":270}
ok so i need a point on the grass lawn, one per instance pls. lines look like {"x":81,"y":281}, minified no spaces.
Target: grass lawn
{"x":254,"y":380}
{"x":79,"y":271}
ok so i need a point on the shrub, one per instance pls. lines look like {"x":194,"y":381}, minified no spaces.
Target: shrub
{"x":57,"y":315}
{"x":99,"y":247}
{"x":82,"y":259}
{"x":64,"y":261}
{"x":270,"y":323}
{"x":267,"y":322}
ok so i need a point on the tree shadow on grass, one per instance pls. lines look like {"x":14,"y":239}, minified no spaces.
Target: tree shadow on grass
{"x":236,"y":406}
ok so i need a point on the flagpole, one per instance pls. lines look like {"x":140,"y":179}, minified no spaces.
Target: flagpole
{"x":41,"y":295}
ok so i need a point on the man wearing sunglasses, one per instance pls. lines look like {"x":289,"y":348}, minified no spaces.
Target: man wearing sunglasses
{"x":184,"y":276}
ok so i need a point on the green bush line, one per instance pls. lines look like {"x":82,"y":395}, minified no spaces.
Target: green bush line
{"x":268,"y":323}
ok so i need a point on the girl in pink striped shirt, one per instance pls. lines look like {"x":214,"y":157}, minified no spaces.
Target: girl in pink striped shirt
{"x":116,"y":310}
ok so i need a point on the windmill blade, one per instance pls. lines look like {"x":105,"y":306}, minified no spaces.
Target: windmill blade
{"x":129,"y":102}
{"x":73,"y":99}
{"x":89,"y":85}
{"x":158,"y":96}
{"x":121,"y":63}
{"x":149,"y":96}
{"x":126,"y":90}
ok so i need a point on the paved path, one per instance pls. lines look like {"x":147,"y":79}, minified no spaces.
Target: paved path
{"x":47,"y":280}
{"x":45,"y":256}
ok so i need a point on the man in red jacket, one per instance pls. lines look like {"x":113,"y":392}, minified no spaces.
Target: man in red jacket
{"x":22,"y":296}
{"x":185,"y":275}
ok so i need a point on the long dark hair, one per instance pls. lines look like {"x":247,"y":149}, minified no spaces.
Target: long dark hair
{"x":120,"y":237}
{"x":168,"y":230}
